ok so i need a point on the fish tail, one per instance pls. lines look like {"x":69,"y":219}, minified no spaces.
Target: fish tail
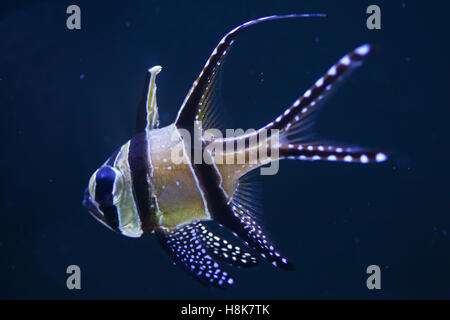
{"x":295,"y":126}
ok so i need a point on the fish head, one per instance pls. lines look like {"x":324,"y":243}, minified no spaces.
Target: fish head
{"x":109,"y":199}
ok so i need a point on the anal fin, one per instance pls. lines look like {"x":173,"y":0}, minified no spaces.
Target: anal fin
{"x":243,"y":223}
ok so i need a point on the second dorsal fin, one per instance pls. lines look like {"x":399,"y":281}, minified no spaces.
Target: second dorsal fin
{"x":196,"y":104}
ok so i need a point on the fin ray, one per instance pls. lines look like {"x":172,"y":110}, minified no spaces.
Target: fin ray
{"x":243,"y":222}
{"x":195,"y":104}
{"x":194,"y":247}
{"x":297,"y":121}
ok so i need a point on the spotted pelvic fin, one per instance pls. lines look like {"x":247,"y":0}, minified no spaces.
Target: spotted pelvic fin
{"x":296,"y":124}
{"x":197,"y":103}
{"x":194,"y":247}
{"x":147,"y":114}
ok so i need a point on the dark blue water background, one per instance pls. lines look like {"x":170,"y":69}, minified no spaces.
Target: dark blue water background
{"x":68,"y":100}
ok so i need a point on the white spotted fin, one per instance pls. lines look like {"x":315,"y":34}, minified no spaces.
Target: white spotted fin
{"x":244,"y":224}
{"x":298,"y":139}
{"x":194,"y":247}
{"x":198,"y":104}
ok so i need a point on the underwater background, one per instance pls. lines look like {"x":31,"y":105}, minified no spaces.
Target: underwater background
{"x":68,"y":99}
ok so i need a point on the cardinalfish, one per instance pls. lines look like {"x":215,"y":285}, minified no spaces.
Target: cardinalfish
{"x":141,"y":189}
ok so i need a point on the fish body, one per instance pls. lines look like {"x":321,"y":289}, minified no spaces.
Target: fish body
{"x":168,"y":181}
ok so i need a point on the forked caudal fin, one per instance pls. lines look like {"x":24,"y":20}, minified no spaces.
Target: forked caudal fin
{"x":297,"y":137}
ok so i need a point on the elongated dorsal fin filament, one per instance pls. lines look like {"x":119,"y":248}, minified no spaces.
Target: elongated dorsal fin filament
{"x":193,"y":105}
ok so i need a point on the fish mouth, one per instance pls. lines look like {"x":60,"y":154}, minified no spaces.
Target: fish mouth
{"x":90,"y":206}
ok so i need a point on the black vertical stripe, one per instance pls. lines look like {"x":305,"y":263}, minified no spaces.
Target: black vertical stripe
{"x":111,"y":216}
{"x":138,"y":162}
{"x":141,"y":115}
{"x":222,"y":212}
{"x":105,"y":213}
{"x":104,"y":185}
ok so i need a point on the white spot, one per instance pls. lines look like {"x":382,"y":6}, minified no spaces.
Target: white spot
{"x":278,"y":119}
{"x":296,"y":103}
{"x":332,"y":158}
{"x":291,"y":146}
{"x":307,"y":93}
{"x":274,"y":263}
{"x":321,"y":148}
{"x":316,"y":157}
{"x":332,"y":71}
{"x":339,"y":150}
{"x":364,"y":158}
{"x":310,"y":148}
{"x":380,"y":157}
{"x":319,"y":82}
{"x":287,"y":112}
{"x":169,"y":168}
{"x":313,"y":104}
{"x":304,"y":110}
{"x":363,"y":50}
{"x":346,"y":60}
{"x":348,"y":158}
{"x":164,"y":160}
{"x":177,"y":183}
{"x":300,"y":147}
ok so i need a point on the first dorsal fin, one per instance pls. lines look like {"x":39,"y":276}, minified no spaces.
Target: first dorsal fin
{"x":147,"y":115}
{"x":195,"y":105}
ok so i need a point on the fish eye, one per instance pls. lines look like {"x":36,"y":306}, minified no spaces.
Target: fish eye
{"x":106,"y":186}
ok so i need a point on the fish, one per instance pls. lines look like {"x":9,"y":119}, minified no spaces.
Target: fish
{"x":153,"y":184}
